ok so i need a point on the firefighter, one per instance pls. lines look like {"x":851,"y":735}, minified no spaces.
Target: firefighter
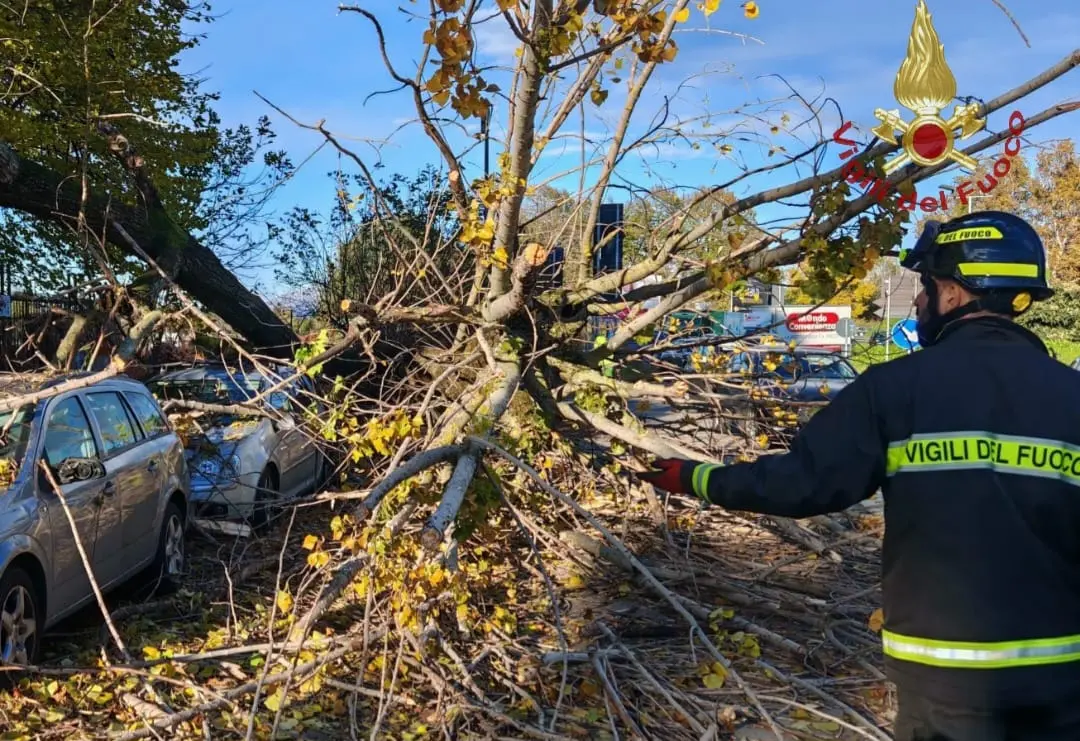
{"x":975,"y":443}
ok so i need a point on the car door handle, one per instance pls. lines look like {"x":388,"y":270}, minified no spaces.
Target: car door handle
{"x":109,"y":489}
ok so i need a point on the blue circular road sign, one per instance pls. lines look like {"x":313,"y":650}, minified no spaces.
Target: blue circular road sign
{"x":905,"y":335}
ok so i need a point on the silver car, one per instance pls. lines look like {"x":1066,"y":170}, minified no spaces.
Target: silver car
{"x":121,"y":471}
{"x":242,"y":462}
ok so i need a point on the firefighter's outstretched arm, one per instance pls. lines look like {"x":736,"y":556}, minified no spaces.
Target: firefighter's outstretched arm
{"x":836,"y":460}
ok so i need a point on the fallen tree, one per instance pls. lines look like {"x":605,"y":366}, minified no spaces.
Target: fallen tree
{"x":509,"y":338}
{"x":490,"y":569}
{"x":34,"y":189}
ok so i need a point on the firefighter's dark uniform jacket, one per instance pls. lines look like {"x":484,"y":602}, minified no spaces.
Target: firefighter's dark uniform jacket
{"x":975,"y":443}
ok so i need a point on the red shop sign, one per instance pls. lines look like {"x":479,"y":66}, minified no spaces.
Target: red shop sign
{"x":817,"y":321}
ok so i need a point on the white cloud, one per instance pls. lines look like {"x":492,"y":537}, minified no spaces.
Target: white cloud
{"x":495,"y":41}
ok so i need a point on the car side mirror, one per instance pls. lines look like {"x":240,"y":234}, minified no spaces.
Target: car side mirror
{"x":72,"y":470}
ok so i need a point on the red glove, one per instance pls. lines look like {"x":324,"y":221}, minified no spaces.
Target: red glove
{"x":670,"y":476}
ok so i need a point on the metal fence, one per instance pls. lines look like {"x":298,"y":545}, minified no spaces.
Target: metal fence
{"x":28,"y":322}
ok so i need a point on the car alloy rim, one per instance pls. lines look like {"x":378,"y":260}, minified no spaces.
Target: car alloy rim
{"x":18,"y":627}
{"x":174,"y":547}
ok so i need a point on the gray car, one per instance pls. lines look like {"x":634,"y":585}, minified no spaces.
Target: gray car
{"x":803,"y":374}
{"x":121,"y":471}
{"x":242,"y":461}
{"x":806,"y":376}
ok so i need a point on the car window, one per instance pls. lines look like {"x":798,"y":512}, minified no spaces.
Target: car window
{"x":68,"y":434}
{"x":118,"y":429}
{"x":147,"y":413}
{"x":826,"y":366}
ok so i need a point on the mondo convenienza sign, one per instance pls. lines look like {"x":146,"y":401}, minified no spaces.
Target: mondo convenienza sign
{"x":925,"y":85}
{"x":818,"y":321}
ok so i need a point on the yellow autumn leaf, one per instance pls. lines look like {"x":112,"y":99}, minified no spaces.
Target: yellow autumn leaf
{"x":310,"y":541}
{"x":715,"y":680}
{"x":750,"y":10}
{"x":709,"y":7}
{"x":501,"y":258}
{"x":682,"y":16}
{"x":750,"y":647}
{"x":876,"y":621}
{"x":345,"y":304}
{"x":273,"y":702}
{"x":284,"y":601}
{"x":825,"y":725}
{"x":535,"y":254}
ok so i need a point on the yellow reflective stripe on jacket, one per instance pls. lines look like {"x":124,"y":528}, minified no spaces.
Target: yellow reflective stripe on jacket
{"x":999,"y":269}
{"x":963,"y":654}
{"x":1028,"y":456}
{"x":700,"y":479}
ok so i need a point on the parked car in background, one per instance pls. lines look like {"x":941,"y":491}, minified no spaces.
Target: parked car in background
{"x":791,"y":384}
{"x":121,"y":472}
{"x":243,"y":462}
{"x":683,"y":346}
{"x":802,"y":374}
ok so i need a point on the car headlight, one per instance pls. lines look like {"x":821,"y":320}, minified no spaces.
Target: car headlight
{"x":223,"y":471}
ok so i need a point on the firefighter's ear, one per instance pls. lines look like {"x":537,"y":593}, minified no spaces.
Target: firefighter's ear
{"x":952,"y":295}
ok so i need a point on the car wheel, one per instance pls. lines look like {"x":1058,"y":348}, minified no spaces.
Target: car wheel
{"x":266,"y":493}
{"x":20,"y":619}
{"x":171,"y":558}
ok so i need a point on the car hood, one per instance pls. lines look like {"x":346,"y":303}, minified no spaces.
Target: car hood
{"x":221,"y":434}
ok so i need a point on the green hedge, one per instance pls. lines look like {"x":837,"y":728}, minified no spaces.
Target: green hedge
{"x":1056,"y":319}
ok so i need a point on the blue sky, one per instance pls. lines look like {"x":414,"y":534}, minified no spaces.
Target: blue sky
{"x":317,"y":63}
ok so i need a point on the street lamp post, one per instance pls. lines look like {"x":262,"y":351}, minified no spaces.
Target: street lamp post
{"x":971,"y":201}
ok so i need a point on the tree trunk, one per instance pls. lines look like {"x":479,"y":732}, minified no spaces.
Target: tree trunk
{"x":41,"y":192}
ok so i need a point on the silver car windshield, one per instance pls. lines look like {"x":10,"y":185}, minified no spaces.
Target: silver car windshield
{"x":211,"y":389}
